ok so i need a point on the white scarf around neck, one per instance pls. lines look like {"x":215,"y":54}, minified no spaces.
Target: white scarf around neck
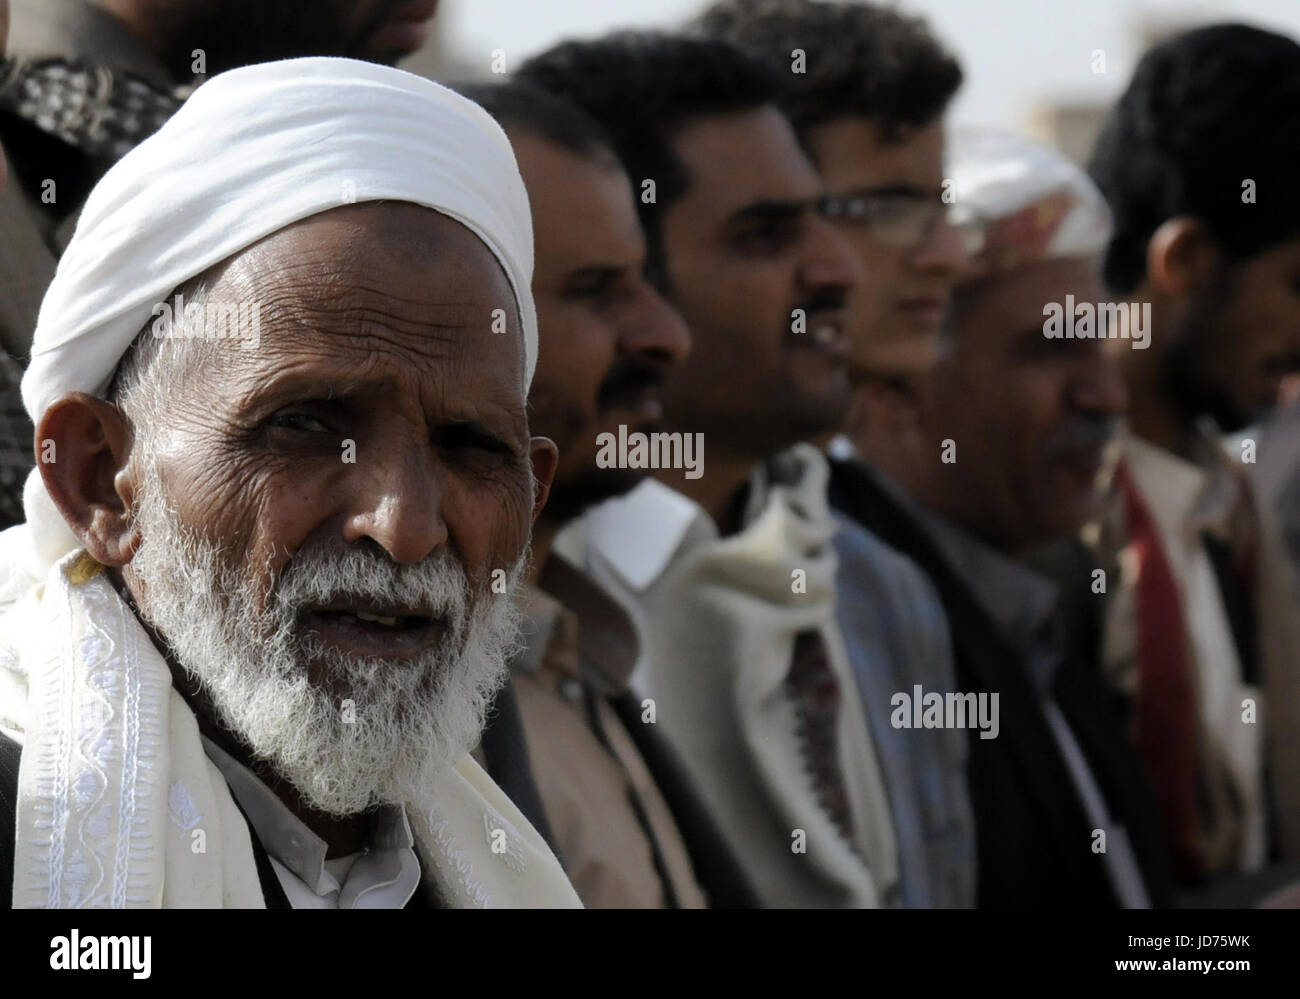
{"x":119,"y":807}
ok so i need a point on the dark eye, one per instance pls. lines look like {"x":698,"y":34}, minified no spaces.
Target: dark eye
{"x":769,"y":236}
{"x":303,"y":422}
{"x":597,"y":285}
{"x":465,"y":438}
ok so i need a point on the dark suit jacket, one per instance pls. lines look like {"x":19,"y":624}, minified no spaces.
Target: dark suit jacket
{"x":1033,"y":838}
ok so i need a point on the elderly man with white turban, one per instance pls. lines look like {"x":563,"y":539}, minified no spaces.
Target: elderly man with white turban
{"x":1009,"y":432}
{"x":284,"y":492}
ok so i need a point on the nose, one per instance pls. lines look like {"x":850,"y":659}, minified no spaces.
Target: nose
{"x":395,"y":500}
{"x":942,"y":250}
{"x":1098,"y":386}
{"x":652,"y":326}
{"x":829,"y":260}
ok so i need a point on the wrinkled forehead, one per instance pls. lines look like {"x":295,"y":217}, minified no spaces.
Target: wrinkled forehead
{"x":368,"y":289}
{"x":1004,"y":300}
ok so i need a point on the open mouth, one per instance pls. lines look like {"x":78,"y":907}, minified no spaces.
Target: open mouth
{"x":366,"y":628}
{"x":645,"y":406}
{"x":927,"y":311}
{"x":825,"y":333}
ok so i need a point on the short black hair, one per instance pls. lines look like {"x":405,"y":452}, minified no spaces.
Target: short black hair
{"x":644,"y":87}
{"x":521,"y":107}
{"x":859,"y":61}
{"x":1206,"y":110}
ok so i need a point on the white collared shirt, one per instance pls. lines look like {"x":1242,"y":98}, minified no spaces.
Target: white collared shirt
{"x":384,"y":875}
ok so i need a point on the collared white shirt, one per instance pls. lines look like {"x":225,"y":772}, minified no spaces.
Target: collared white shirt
{"x":384,"y":875}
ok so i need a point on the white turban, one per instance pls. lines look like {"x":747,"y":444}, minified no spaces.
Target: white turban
{"x":252,"y":151}
{"x":1034,"y":202}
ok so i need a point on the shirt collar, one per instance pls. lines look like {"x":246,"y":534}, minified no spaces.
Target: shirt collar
{"x":287,"y":838}
{"x":662,"y":517}
{"x":606,"y":638}
{"x":570,"y":619}
{"x":639,"y":534}
{"x":1185,"y":497}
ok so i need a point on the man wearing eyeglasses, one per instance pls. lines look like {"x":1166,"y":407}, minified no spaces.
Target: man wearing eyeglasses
{"x":866,"y":89}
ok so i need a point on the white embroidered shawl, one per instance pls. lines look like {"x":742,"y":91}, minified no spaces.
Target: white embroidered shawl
{"x":118,"y":806}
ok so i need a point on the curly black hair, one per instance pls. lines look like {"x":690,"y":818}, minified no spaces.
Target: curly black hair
{"x":1206,"y":110}
{"x":521,"y":107}
{"x":859,"y":60}
{"x":643,"y":88}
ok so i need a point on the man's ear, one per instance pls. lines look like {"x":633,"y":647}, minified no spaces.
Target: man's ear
{"x":1181,"y":257}
{"x":545,"y":458}
{"x":83,"y":446}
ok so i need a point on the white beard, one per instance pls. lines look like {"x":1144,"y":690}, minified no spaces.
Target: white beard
{"x":407,"y":719}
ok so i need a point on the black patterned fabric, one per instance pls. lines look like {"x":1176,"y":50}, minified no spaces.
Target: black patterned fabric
{"x":16,"y":453}
{"x":101,"y":111}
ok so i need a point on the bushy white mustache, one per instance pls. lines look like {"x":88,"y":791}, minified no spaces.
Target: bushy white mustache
{"x":367,"y":731}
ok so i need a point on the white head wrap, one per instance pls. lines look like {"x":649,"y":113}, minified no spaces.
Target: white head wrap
{"x":1035,"y":203}
{"x":252,"y":151}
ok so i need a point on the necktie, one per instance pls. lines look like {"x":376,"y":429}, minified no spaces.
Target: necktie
{"x":815,"y":692}
{"x":1166,"y":700}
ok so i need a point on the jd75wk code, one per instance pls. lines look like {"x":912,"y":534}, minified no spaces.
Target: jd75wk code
{"x":1182,"y":940}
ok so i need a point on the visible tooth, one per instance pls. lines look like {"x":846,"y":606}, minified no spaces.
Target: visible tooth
{"x":824,"y":334}
{"x":390,"y":621}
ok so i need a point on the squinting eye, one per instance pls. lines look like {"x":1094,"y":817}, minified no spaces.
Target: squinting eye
{"x":300,"y":421}
{"x":591,"y":289}
{"x":773,"y":236}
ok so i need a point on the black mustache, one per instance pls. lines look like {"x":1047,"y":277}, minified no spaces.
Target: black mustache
{"x":626,"y":382}
{"x":1079,"y":435}
{"x":825,"y":300}
{"x":1286,"y":364}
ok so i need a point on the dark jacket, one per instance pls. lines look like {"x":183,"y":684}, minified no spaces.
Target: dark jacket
{"x":1034,"y":840}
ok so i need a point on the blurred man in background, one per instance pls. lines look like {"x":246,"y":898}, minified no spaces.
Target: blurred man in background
{"x":624,"y":816}
{"x":865,"y":89}
{"x":1197,"y":161}
{"x":90,"y":78}
{"x":731,"y":572}
{"x":1010,"y":430}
